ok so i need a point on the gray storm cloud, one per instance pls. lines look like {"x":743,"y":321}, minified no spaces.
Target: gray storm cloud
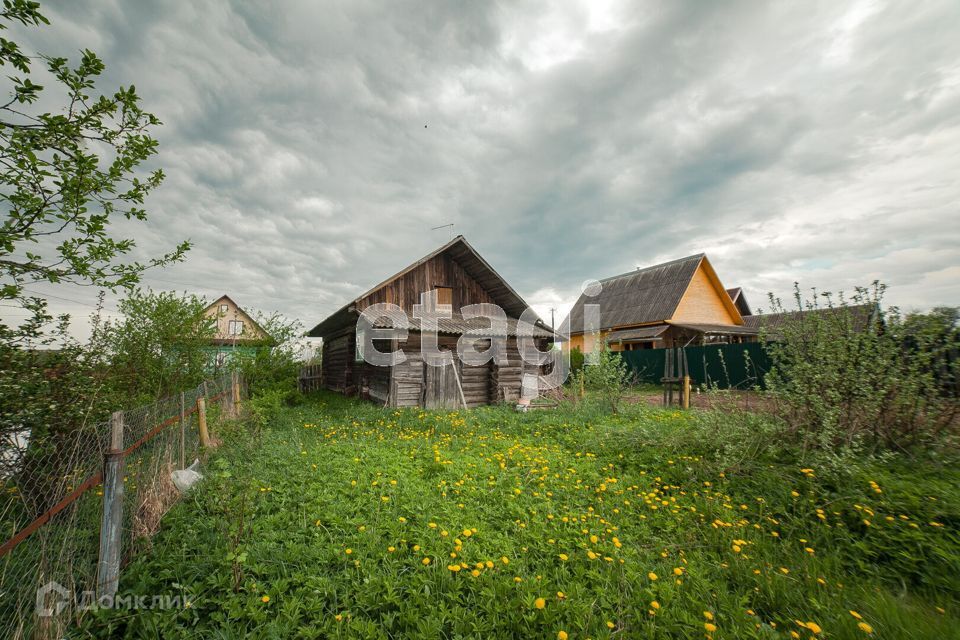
{"x":310,"y":147}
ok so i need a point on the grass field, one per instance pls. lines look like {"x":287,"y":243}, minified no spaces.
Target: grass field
{"x":343,"y":520}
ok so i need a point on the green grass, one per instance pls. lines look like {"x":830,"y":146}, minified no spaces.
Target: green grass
{"x":339,"y":520}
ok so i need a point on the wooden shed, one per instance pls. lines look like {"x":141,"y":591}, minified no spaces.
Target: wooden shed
{"x":460,"y":277}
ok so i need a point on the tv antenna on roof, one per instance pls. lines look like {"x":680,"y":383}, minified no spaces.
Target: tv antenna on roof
{"x":444,"y":226}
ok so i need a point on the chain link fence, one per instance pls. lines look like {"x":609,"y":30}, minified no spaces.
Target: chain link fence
{"x":52,"y":499}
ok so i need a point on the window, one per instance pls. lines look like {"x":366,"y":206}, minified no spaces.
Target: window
{"x":224,"y":308}
{"x":444,"y":295}
{"x":235,"y":327}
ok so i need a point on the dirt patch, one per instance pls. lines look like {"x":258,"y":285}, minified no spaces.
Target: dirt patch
{"x":729,"y":400}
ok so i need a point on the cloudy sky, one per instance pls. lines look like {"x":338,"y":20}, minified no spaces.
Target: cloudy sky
{"x":310,"y":147}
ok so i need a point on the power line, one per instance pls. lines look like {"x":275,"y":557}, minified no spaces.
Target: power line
{"x":86,"y":304}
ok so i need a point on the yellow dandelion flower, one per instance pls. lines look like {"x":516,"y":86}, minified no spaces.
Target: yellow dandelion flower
{"x":562,"y":635}
{"x":863,"y":626}
{"x":652,"y":575}
{"x":425,"y":561}
{"x":265,"y":599}
{"x":710,"y":627}
{"x":539,"y":603}
{"x":708,"y":615}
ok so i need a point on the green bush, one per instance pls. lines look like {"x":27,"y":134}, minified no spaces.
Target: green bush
{"x":275,"y":364}
{"x":852,"y":376}
{"x":607,"y":375}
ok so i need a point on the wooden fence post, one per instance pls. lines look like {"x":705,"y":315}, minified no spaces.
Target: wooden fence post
{"x":183,"y":432}
{"x":202,"y":420}
{"x":686,"y":392}
{"x":111,"y":529}
{"x":236,"y":390}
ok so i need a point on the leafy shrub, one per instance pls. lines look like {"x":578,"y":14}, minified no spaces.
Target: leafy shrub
{"x":850,"y":375}
{"x":576,"y":360}
{"x":273,"y":365}
{"x":607,"y":375}
{"x":266,"y":406}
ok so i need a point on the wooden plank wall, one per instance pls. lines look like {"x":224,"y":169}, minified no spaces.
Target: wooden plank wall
{"x":702,"y":302}
{"x":439,"y":271}
{"x":337,"y":362}
{"x":310,"y":378}
{"x":407,"y":380}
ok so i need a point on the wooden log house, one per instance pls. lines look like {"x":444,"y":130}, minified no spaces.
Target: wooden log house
{"x":460,"y":276}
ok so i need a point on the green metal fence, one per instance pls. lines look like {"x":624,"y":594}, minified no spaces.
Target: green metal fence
{"x":727,"y":366}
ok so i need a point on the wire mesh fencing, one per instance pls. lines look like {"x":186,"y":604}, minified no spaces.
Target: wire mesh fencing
{"x":58,"y":503}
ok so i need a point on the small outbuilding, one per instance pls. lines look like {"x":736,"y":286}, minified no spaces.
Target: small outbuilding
{"x":458,"y":276}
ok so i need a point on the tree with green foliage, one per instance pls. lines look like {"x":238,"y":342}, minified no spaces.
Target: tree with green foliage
{"x":66,"y":176}
{"x":159,"y":347}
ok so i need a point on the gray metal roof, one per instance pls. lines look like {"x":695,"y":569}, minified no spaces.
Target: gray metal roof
{"x":642,"y":334}
{"x":739,"y":299}
{"x":723,"y":329}
{"x":638,"y":297}
{"x":859,"y":317}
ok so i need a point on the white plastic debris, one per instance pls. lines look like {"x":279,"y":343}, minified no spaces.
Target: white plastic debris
{"x":183,"y":479}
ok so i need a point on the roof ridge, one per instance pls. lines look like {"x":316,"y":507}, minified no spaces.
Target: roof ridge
{"x":698,"y":256}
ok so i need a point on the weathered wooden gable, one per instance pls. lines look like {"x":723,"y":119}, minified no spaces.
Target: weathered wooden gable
{"x":439,"y":271}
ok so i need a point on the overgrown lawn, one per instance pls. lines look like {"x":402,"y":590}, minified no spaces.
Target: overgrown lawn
{"x":343,"y":520}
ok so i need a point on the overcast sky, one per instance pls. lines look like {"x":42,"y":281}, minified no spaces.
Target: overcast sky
{"x":310,"y":147}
